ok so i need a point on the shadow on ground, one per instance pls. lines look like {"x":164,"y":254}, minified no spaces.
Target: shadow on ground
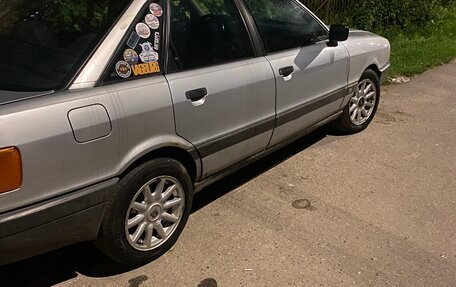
{"x":64,"y":264}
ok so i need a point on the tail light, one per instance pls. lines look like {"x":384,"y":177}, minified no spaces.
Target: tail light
{"x":10,"y":169}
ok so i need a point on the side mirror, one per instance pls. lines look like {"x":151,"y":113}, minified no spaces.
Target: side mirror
{"x":337,"y":33}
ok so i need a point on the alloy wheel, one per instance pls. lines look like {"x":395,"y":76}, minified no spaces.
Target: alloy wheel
{"x":154,"y":213}
{"x":362,"y":103}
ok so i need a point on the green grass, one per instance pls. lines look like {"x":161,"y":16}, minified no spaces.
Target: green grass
{"x":419,"y":49}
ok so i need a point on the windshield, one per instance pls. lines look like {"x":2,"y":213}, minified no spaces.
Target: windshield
{"x":42,"y":42}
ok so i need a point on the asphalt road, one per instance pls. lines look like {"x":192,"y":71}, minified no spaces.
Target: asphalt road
{"x":382,"y":211}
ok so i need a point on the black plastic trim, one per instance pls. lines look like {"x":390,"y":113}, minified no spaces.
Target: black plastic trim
{"x":42,"y":213}
{"x":306,"y":108}
{"x":251,"y":28}
{"x":77,"y":227}
{"x":285,"y":72}
{"x":384,"y":74}
{"x":221,"y":143}
{"x":166,"y":44}
{"x":213,"y":178}
{"x":196,"y":95}
{"x":226,"y":141}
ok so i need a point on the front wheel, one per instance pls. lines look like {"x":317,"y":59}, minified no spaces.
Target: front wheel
{"x":363,"y":104}
{"x":147,"y":212}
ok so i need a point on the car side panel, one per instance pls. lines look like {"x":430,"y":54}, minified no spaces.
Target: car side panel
{"x":315,"y":90}
{"x":54,"y":163}
{"x":236,"y":118}
{"x":366,"y":49}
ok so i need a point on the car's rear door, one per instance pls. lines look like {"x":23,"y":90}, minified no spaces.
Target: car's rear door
{"x":223,"y":96}
{"x":311,"y":77}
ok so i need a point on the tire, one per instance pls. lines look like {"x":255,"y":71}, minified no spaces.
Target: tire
{"x":147,"y":212}
{"x":362,"y":107}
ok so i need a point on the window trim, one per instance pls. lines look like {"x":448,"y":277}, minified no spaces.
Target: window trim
{"x":120,"y":45}
{"x":319,"y":21}
{"x":254,"y":41}
{"x":305,"y":9}
{"x":89,"y":77}
{"x":251,"y":27}
{"x":82,"y":65}
{"x":72,"y":79}
{"x":167,"y":37}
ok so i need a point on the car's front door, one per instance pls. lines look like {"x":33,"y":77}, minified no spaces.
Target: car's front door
{"x":224,"y":97}
{"x":311,"y":77}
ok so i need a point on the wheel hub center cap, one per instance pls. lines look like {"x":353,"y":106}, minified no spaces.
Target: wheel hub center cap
{"x":361,"y":102}
{"x":154,"y":212}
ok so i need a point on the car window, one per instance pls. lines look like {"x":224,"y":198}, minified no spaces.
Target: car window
{"x":42,"y":43}
{"x":207,"y":32}
{"x":283,"y":24}
{"x":140,"y":53}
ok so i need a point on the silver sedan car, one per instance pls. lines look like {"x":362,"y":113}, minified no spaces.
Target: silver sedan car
{"x":113,"y":113}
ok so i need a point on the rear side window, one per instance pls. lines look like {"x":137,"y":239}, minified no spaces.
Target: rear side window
{"x":207,"y":32}
{"x":43,"y":42}
{"x":284,"y":24}
{"x":140,"y":53}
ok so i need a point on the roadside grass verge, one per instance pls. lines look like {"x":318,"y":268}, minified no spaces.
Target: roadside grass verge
{"x":416,"y":50}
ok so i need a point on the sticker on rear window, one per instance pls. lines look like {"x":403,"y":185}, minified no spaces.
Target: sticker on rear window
{"x":130,"y":56}
{"x":143,"y":30}
{"x":156,"y":41}
{"x":147,"y":68}
{"x":152,"y":21}
{"x":133,"y":40}
{"x":148,"y":54}
{"x":123,"y":69}
{"x":156,"y":9}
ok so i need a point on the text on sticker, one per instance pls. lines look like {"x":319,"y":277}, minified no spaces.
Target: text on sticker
{"x":146,"y":68}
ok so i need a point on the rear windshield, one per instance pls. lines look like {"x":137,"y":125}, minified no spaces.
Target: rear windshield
{"x":42,"y":42}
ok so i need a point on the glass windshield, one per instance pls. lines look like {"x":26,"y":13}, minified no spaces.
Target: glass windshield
{"x":42,"y":42}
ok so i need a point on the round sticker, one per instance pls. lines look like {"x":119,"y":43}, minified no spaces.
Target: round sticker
{"x":156,"y":9}
{"x":123,"y":69}
{"x":148,"y":54}
{"x":152,"y":21}
{"x":143,"y":30}
{"x":131,"y":57}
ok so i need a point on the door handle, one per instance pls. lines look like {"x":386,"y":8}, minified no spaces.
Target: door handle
{"x":285,"y":72}
{"x":196,"y":95}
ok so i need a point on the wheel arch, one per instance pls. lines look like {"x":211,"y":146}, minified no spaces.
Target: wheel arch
{"x":374,"y":67}
{"x":188,"y":158}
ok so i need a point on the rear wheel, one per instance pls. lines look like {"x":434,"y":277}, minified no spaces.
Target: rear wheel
{"x":363,"y":104}
{"x":147,"y":212}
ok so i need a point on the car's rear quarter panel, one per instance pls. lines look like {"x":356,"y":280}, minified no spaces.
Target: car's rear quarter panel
{"x":54,"y":163}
